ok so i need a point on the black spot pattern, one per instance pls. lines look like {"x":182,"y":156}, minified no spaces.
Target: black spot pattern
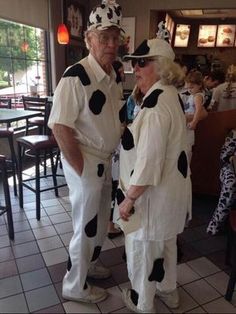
{"x":131,"y":173}
{"x":151,"y":100}
{"x":158,"y":271}
{"x":97,"y":102}
{"x":119,"y":196}
{"x":98,"y":18}
{"x":142,"y":49}
{"x":69,"y":264}
{"x":123,"y":113}
{"x":91,"y":227}
{"x":183,"y":164}
{"x":78,"y":70}
{"x":117,"y":10}
{"x":100,"y":170}
{"x":181,"y":103}
{"x":110,"y":14}
{"x":134,"y":296}
{"x":96,"y":253}
{"x":127,"y":140}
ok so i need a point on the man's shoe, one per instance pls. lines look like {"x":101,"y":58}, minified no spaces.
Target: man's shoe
{"x":126,"y":296}
{"x":94,"y":295}
{"x":171,"y":299}
{"x":98,"y":272}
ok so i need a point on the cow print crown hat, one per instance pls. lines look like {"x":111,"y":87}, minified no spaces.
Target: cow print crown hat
{"x":105,"y":15}
{"x":154,"y":47}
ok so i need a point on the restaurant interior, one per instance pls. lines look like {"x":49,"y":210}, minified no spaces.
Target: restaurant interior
{"x":35,"y":235}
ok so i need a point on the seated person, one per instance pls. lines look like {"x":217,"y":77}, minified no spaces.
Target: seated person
{"x":228,"y":185}
{"x":224,"y":95}
{"x":210,"y":81}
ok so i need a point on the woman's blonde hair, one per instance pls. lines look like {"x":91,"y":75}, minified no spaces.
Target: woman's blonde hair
{"x":195,"y":77}
{"x":170,"y":73}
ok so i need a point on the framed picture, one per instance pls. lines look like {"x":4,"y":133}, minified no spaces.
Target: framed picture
{"x":207,"y":35}
{"x":74,"y":15}
{"x":225,"y":36}
{"x":74,"y":53}
{"x":182,"y":35}
{"x":127,"y":43}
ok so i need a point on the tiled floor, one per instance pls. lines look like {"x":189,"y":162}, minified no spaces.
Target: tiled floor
{"x":32,"y":267}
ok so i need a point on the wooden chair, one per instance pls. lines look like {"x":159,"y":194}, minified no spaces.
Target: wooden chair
{"x":6,"y":208}
{"x":36,"y":104}
{"x":5,"y":103}
{"x":11,"y":162}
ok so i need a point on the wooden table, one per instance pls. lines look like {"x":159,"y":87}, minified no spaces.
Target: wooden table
{"x":11,"y":115}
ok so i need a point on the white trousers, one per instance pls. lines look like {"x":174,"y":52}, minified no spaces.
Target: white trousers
{"x":90,"y":196}
{"x":151,"y":265}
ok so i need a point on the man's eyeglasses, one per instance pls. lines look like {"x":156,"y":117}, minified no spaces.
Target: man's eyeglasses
{"x":106,"y":38}
{"x":142,"y":62}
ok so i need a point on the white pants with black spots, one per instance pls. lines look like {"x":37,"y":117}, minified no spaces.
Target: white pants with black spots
{"x":90,"y":196}
{"x":141,"y":256}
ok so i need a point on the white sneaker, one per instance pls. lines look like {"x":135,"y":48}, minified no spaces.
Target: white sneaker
{"x":126,"y":296}
{"x":98,"y":272}
{"x":171,"y":299}
{"x":94,"y":295}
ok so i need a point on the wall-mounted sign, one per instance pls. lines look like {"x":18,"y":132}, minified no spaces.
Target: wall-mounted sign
{"x":182,"y":35}
{"x":225,"y":36}
{"x":207,"y":35}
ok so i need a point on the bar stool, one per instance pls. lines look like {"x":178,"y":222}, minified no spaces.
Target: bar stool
{"x":231,"y":254}
{"x":40,"y":146}
{"x":11,"y":163}
{"x":7,"y":207}
{"x":36,"y":104}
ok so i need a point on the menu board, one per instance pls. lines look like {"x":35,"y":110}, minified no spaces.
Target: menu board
{"x":207,"y":35}
{"x":225,"y":36}
{"x":182,"y":35}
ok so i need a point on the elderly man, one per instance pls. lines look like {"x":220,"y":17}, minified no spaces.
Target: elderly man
{"x":86,"y":120}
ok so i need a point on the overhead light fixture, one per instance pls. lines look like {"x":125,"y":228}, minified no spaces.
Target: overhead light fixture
{"x":63,"y":37}
{"x":191,"y":12}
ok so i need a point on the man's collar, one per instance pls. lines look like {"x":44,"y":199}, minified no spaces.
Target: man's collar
{"x":98,"y":70}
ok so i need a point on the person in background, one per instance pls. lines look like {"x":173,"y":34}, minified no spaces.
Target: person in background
{"x":133,"y":104}
{"x":86,"y":120}
{"x":228,"y":185}
{"x":154,"y":179}
{"x":224,"y":95}
{"x":194,"y":109}
{"x":210,"y":81}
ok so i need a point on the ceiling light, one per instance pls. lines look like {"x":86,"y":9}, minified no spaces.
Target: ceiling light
{"x":191,"y":12}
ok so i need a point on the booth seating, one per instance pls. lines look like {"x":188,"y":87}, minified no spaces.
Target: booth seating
{"x":209,"y":138}
{"x":231,"y":254}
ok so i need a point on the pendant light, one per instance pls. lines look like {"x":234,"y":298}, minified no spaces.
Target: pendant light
{"x":63,"y":37}
{"x":62,"y":34}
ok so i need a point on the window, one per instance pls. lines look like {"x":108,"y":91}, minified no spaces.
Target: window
{"x":23,"y":61}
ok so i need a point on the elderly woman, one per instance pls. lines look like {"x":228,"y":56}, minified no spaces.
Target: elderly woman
{"x":154,"y":182}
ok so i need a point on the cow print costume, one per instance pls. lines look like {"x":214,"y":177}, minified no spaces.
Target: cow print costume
{"x":153,"y":154}
{"x":88,"y":101}
{"x":228,"y":185}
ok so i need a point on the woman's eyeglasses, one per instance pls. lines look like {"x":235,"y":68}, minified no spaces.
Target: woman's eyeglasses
{"x":142,"y":62}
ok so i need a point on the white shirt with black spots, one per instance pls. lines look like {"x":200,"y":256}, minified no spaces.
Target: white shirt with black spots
{"x":71,"y":107}
{"x":159,"y":135}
